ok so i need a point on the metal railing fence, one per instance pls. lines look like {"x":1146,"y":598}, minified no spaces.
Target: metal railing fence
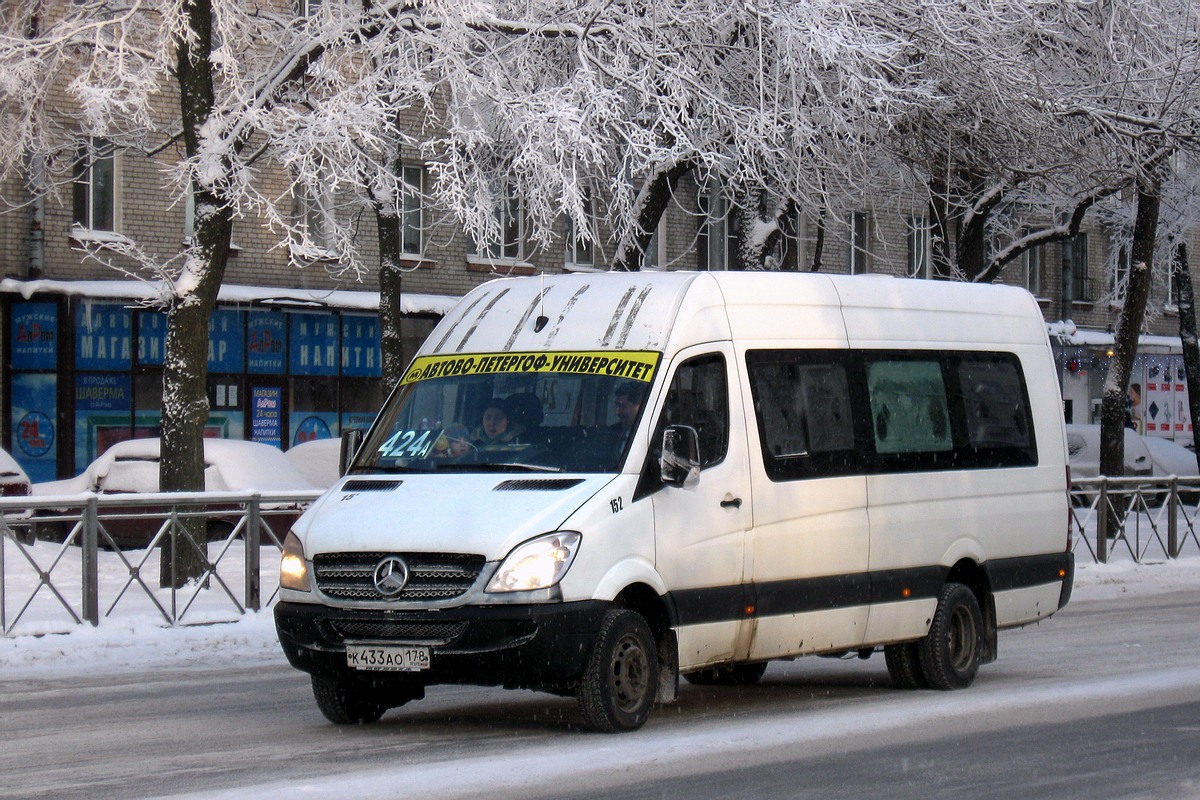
{"x":1139,"y":517}
{"x":61,"y":563}
{"x":66,"y":561}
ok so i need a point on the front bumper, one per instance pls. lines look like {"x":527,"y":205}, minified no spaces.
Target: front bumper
{"x":542,"y":646}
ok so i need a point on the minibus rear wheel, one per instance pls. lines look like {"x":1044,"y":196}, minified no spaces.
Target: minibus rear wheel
{"x":344,"y":703}
{"x":620,"y":680}
{"x":953,"y":650}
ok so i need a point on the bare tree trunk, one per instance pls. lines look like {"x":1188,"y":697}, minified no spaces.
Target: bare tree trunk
{"x":939,"y":225}
{"x":1187,"y":335}
{"x":185,"y":374}
{"x":1129,"y":326}
{"x":387,"y":224}
{"x":755,"y":251}
{"x":656,"y":197}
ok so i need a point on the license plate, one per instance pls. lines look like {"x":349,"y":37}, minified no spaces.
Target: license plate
{"x":387,"y":658}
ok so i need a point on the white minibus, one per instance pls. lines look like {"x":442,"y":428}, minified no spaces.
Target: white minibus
{"x":593,"y":484}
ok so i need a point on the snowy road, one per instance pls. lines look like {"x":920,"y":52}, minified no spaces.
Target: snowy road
{"x":1111,"y":685}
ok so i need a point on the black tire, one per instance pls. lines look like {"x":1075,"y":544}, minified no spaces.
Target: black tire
{"x":737,"y":675}
{"x":218,"y":530}
{"x":953,"y":650}
{"x":344,"y":703}
{"x":904,"y":665}
{"x":620,"y":680}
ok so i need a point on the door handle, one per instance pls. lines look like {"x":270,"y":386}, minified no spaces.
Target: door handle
{"x":733,"y":502}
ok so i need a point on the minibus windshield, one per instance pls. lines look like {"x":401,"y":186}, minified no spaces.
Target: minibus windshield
{"x":511,"y":412}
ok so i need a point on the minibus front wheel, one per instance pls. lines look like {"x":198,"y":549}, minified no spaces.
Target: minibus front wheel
{"x":953,"y":650}
{"x":620,"y":680}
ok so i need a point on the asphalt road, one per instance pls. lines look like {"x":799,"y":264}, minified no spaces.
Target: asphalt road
{"x":1103,"y":700}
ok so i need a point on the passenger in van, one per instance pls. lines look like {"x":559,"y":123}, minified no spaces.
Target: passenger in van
{"x":525,"y":414}
{"x":627,"y":402}
{"x":496,"y":426}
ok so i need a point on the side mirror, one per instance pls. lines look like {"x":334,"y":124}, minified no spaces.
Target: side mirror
{"x":679,"y":465}
{"x":352,"y":439}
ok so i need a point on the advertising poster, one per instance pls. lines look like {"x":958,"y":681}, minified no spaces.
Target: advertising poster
{"x":34,"y":432}
{"x":34,"y":336}
{"x":103,"y":404}
{"x":309,"y":425}
{"x":266,"y":415}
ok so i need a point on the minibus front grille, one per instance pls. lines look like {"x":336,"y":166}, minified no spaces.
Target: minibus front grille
{"x":431,"y":576}
{"x":537,"y":484}
{"x":400,"y":631}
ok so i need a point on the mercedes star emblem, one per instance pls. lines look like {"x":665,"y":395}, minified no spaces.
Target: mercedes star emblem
{"x":391,"y":576}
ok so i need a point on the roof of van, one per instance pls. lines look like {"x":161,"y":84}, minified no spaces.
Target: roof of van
{"x":647,"y":310}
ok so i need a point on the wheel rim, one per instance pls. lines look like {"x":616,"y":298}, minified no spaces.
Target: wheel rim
{"x":962,"y":639}
{"x":630,"y":674}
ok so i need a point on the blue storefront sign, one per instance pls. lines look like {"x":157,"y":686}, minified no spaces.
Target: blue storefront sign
{"x":152,"y":338}
{"x":313,"y":344}
{"x":103,"y":409}
{"x":226,"y":341}
{"x":103,"y":336}
{"x":34,"y":336}
{"x":267,"y":335}
{"x":360,"y":346}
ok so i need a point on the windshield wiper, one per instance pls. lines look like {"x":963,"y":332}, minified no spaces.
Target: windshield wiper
{"x":511,"y":466}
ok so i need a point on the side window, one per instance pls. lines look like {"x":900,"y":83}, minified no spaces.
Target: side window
{"x":996,"y":405}
{"x":909,"y":412}
{"x":699,"y":396}
{"x":805,"y":414}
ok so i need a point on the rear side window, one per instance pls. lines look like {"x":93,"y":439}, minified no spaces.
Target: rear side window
{"x":841,"y":412}
{"x":909,"y":409}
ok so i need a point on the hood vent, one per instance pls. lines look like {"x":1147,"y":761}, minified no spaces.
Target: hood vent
{"x":362,"y":485}
{"x":537,"y":485}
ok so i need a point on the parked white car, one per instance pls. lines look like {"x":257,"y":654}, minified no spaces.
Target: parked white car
{"x":230,"y":465}
{"x":1144,"y":455}
{"x":317,"y":461}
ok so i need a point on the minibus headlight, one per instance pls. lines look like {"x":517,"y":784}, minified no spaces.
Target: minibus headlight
{"x":537,"y":564}
{"x":293,"y":569}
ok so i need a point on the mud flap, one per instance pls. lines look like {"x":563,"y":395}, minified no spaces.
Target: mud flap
{"x":668,"y":668}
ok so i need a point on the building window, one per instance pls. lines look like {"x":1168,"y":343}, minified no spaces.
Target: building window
{"x":316,"y":218}
{"x":94,"y":201}
{"x":1031,"y":270}
{"x":918,"y":247}
{"x":412,"y":220}
{"x":717,"y":239}
{"x":1075,"y":258}
{"x":858,"y":248}
{"x":308,"y":8}
{"x":656,"y":250}
{"x":580,"y":252}
{"x":511,"y":223}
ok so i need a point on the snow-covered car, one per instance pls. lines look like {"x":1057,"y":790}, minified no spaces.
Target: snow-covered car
{"x":1083,"y":450}
{"x":13,"y":480}
{"x":230,"y":465}
{"x":1144,"y":455}
{"x":317,"y":460}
